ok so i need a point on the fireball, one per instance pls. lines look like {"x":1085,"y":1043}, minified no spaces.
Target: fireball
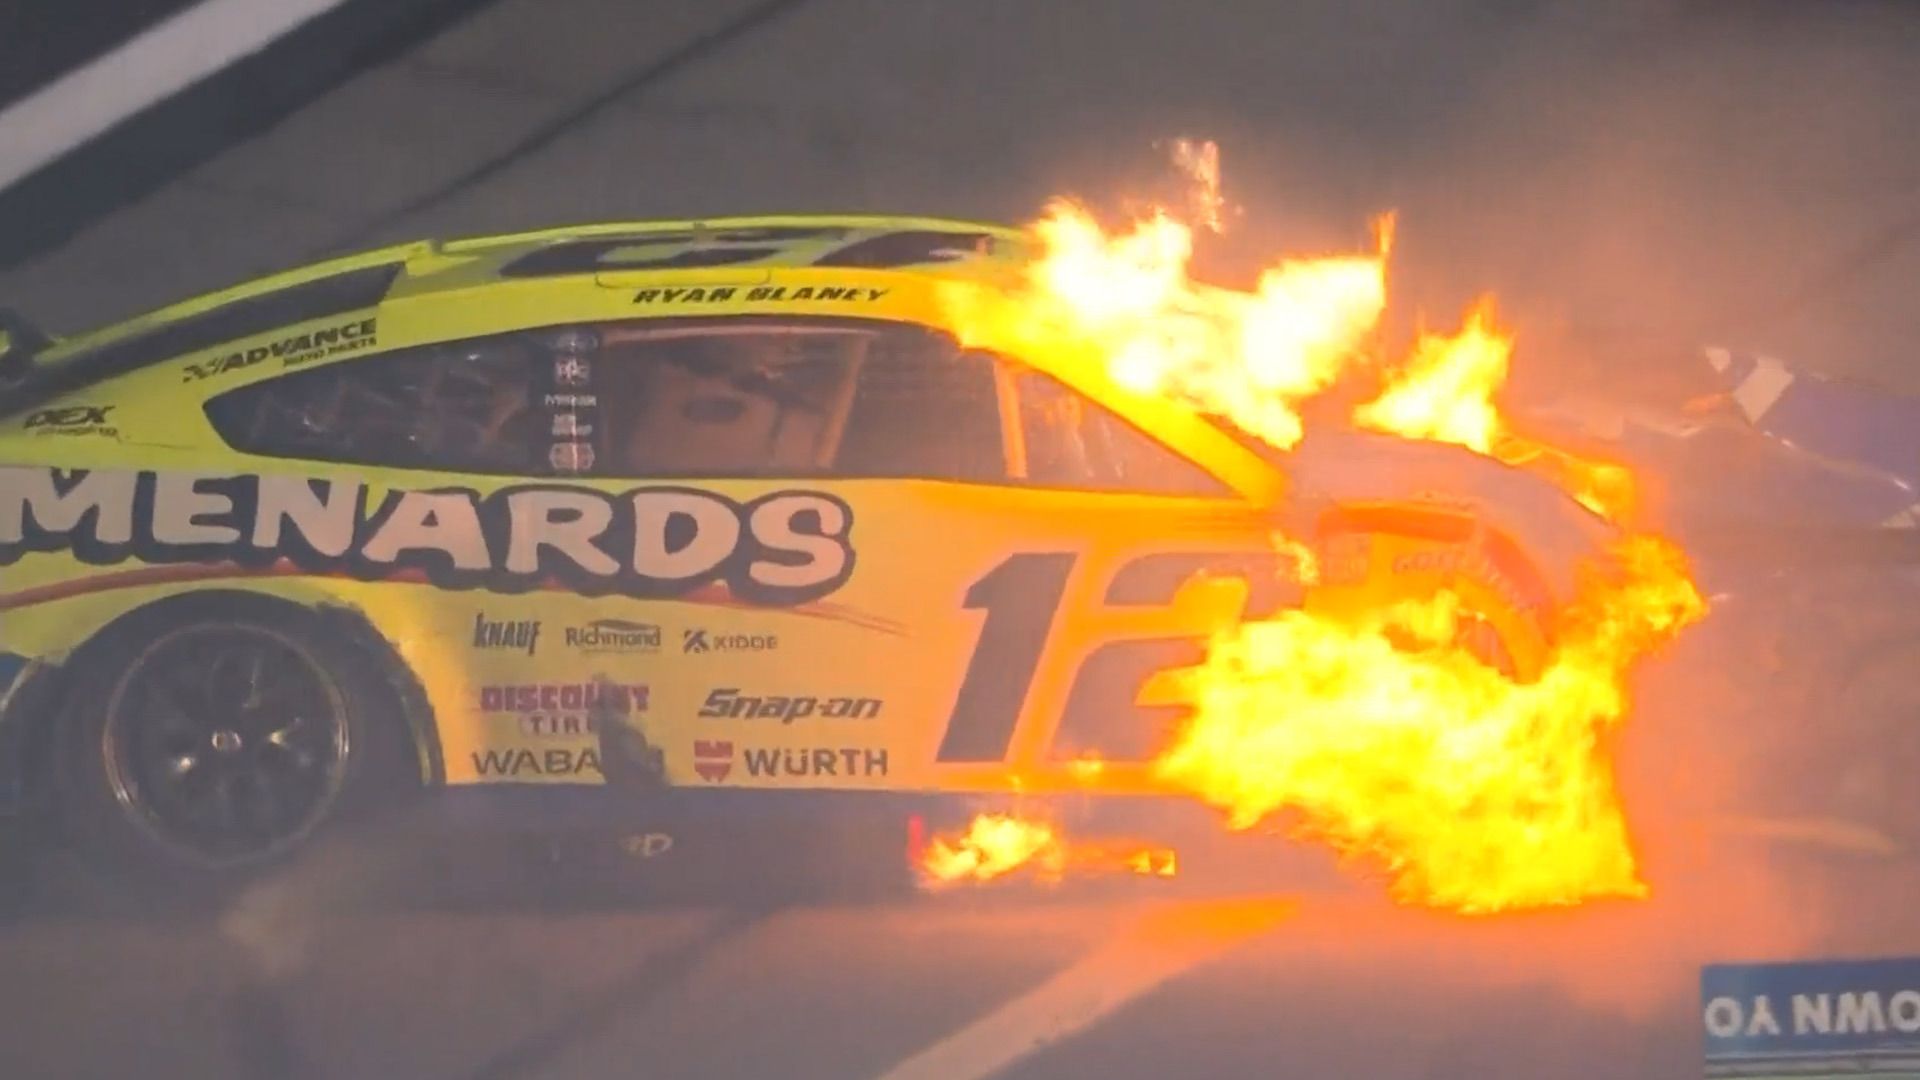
{"x":1382,"y":732}
{"x":996,"y":845}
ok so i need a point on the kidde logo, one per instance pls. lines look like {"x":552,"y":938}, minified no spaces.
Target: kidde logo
{"x":521,"y":634}
{"x":700,"y":640}
{"x":712,"y":759}
{"x":614,"y":636}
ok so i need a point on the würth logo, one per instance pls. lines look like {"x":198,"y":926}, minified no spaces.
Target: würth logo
{"x":712,"y":759}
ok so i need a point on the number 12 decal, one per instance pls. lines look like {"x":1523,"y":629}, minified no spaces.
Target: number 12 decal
{"x":1022,"y":596}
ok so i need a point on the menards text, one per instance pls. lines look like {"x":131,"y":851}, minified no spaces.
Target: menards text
{"x":787,"y":547}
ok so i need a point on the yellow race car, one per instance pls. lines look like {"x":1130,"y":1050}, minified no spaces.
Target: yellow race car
{"x":714,"y":510}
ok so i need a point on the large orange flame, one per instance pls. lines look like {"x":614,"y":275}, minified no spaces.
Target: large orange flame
{"x":997,"y":845}
{"x":1381,"y":732}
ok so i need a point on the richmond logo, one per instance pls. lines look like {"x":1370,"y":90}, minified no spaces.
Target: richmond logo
{"x":614,"y":636}
{"x":787,"y":547}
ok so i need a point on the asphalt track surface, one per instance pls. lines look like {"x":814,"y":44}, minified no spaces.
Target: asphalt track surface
{"x":1742,"y":172}
{"x":545,"y":972}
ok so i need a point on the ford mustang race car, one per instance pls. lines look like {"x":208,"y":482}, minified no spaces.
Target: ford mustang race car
{"x":723,"y":514}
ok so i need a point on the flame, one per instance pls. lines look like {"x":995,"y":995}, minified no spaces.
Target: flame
{"x":1125,"y":305}
{"x":1375,"y":728}
{"x":1444,"y":391}
{"x":1200,"y":163}
{"x":1391,"y":741}
{"x":997,"y":845}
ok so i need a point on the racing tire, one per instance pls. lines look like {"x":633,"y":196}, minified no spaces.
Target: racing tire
{"x":210,"y":737}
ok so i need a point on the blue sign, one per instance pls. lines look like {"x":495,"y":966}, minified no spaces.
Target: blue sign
{"x":1811,"y":1020}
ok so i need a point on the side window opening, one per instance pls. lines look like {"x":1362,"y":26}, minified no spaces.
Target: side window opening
{"x":718,"y":402}
{"x":924,"y":409}
{"x":1070,"y":440}
{"x":465,"y":407}
{"x":645,"y":399}
{"x":706,"y":399}
{"x":841,"y":399}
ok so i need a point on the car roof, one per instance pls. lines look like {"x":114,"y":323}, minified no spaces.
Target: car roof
{"x":917,"y":245}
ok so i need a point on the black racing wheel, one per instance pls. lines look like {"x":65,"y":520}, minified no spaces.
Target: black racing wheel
{"x":214,"y":734}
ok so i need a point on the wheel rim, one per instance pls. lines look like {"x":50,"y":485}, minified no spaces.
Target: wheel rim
{"x":225,"y":743}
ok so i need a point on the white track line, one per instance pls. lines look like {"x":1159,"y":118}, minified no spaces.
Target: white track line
{"x":1154,"y":950}
{"x":146,"y":69}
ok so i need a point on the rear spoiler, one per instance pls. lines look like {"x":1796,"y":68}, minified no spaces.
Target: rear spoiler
{"x":20,"y":342}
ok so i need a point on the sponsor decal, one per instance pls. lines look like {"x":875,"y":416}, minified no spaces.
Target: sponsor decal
{"x":730,"y":704}
{"x":572,"y":371}
{"x":571,"y":401}
{"x":1815,"y":1018}
{"x":571,"y":456}
{"x":73,"y":420}
{"x":613,"y":636}
{"x":551,"y":761}
{"x":567,"y":425}
{"x":700,"y":640}
{"x":712,"y":759}
{"x":563,"y":710}
{"x":815,"y":761}
{"x":351,"y":336}
{"x":650,"y":845}
{"x":787,"y":547}
{"x":520,"y":635}
{"x":722,"y":294}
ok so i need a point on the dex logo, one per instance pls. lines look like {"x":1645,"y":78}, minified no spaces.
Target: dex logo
{"x":72,"y":420}
{"x":70,"y":416}
{"x":701,"y":640}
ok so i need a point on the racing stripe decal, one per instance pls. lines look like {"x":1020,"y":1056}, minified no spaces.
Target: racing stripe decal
{"x":715,"y":595}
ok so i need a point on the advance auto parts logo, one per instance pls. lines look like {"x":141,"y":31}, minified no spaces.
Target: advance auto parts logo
{"x":614,"y":636}
{"x":787,"y":547}
{"x":292,"y":350}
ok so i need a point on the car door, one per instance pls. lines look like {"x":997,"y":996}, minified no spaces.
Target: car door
{"x":1126,"y":558}
{"x":1018,"y":561}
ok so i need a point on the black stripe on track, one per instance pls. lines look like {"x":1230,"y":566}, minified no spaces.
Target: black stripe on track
{"x":172,"y":136}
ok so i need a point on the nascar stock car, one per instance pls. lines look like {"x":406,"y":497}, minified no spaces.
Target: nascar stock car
{"x":721,"y":514}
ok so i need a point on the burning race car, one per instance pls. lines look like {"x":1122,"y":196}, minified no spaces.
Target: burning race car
{"x":763,"y":516}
